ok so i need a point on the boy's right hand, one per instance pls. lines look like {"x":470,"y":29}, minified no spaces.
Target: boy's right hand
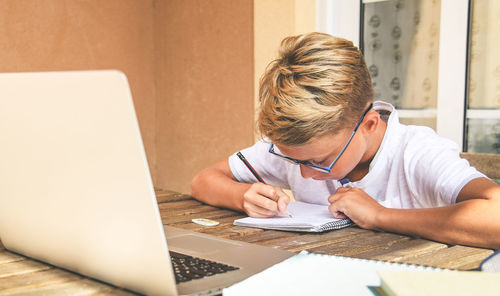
{"x":263,"y":200}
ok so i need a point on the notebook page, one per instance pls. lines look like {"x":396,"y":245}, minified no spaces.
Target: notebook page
{"x":315,"y":274}
{"x":304,"y":215}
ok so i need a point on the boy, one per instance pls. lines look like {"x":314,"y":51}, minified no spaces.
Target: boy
{"x":329,"y":143}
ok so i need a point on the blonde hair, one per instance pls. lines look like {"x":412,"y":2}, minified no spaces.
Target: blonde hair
{"x":319,"y":84}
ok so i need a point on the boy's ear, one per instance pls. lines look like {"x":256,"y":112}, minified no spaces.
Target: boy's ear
{"x":371,"y":122}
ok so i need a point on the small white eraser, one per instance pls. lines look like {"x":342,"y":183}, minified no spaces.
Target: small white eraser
{"x":205,"y":222}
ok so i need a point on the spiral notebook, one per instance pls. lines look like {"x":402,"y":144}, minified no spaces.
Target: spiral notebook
{"x":316,"y":274}
{"x":305,"y":217}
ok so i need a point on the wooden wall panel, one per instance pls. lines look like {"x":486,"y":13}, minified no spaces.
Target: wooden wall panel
{"x":204,"y":78}
{"x":53,"y":35}
{"x":273,"y":21}
{"x":190,"y":65}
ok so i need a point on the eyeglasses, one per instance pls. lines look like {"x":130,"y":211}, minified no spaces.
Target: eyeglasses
{"x":327,"y":169}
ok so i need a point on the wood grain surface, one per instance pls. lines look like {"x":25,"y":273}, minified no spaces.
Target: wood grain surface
{"x":23,"y":276}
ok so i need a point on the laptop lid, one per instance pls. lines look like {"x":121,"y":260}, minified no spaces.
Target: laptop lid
{"x":71,"y":156}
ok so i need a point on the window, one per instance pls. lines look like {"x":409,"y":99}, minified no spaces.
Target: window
{"x":433,"y":59}
{"x":483,"y":103}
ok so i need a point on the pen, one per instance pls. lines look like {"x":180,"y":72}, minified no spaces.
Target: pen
{"x":344,"y":181}
{"x":250,"y":167}
{"x":254,"y":172}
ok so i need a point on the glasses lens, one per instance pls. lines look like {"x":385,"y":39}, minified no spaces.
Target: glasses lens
{"x":274,"y":150}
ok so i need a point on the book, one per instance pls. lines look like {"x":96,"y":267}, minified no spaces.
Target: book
{"x":317,"y":274}
{"x":305,"y":217}
{"x":430,"y":283}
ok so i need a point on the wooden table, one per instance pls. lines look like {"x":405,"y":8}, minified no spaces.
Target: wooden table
{"x":21,"y":275}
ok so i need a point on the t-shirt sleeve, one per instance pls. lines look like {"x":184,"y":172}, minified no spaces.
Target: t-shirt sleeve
{"x":272,"y":169}
{"x":436,"y":170}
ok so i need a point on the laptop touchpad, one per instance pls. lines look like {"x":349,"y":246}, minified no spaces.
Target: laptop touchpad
{"x":199,"y":244}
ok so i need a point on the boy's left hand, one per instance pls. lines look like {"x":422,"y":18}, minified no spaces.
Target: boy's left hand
{"x":356,"y":205}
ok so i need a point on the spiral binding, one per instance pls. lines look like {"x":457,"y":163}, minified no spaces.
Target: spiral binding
{"x":336,"y":225}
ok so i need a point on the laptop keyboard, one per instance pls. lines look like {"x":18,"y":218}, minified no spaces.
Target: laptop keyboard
{"x":188,"y":268}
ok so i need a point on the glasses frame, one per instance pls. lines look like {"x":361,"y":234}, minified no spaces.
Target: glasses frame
{"x":326,"y":169}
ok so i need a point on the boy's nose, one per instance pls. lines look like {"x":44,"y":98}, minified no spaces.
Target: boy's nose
{"x":307,"y":172}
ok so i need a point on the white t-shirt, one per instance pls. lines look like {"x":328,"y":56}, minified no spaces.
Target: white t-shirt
{"x":413,"y":168}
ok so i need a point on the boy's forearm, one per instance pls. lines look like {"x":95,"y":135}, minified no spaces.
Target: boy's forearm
{"x":217,"y":189}
{"x":472,"y":222}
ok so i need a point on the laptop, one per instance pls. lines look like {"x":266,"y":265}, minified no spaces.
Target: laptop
{"x":76,"y":192}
